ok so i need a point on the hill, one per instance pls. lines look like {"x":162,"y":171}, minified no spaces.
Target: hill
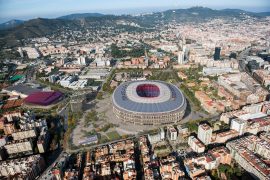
{"x":10,"y":24}
{"x":195,"y":14}
{"x":80,"y":16}
{"x":33,"y":28}
{"x":41,"y":27}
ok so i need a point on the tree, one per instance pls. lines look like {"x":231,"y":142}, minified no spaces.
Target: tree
{"x":99,"y":95}
{"x":192,"y":126}
{"x":215,"y":174}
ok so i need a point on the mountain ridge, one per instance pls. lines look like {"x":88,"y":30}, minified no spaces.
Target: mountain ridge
{"x":41,"y":26}
{"x":80,"y":16}
{"x":10,"y":24}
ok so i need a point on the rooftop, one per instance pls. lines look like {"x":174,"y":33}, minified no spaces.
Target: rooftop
{"x":43,"y":98}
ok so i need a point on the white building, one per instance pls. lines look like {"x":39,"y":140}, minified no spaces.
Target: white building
{"x":3,"y":141}
{"x":205,"y":133}
{"x":181,"y":57}
{"x":20,"y":51}
{"x":154,"y":138}
{"x":259,"y":60}
{"x":262,"y":148}
{"x":32,"y":53}
{"x":171,"y":133}
{"x":43,"y":141}
{"x":24,"y":134}
{"x":81,"y":60}
{"x":244,"y":151}
{"x":29,"y":123}
{"x":211,"y":71}
{"x":129,"y":164}
{"x":80,"y":84}
{"x":238,"y":125}
{"x":21,"y":146}
{"x":12,"y":114}
{"x":100,"y":63}
{"x":195,"y":144}
{"x":169,"y":47}
{"x":66,"y":81}
{"x":182,"y":51}
{"x":182,"y":130}
{"x":108,"y":63}
{"x":25,"y":168}
{"x":95,"y":73}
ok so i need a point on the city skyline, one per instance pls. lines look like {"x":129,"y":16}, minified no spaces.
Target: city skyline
{"x":30,"y":9}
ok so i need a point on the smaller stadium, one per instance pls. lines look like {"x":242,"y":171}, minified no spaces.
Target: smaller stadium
{"x":148,"y":103}
{"x":43,"y":98}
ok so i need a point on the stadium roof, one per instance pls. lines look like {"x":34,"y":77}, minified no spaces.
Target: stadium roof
{"x":43,"y":98}
{"x":167,"y":98}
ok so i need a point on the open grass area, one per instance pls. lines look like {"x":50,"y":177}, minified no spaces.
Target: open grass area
{"x":191,"y":97}
{"x":106,"y":86}
{"x":168,"y":76}
{"x":90,"y":117}
{"x":103,"y":139}
{"x":193,"y":83}
{"x":162,"y":151}
{"x":91,"y":133}
{"x":113,"y":135}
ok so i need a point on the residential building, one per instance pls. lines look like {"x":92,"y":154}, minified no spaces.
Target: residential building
{"x":205,"y":133}
{"x":24,"y":134}
{"x":24,"y":146}
{"x":154,"y":138}
{"x":262,"y":76}
{"x":24,"y":168}
{"x":243,"y":151}
{"x":171,"y":133}
{"x":195,"y":144}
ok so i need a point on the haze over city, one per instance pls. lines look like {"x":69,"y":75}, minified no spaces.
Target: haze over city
{"x":28,"y":9}
{"x":145,"y":89}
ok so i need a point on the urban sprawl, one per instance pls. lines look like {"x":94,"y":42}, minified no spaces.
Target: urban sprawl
{"x":60,"y":120}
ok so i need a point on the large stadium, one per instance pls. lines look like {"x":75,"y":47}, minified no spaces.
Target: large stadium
{"x":148,"y":103}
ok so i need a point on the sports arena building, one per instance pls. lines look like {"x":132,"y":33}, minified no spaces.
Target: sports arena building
{"x":148,"y":103}
{"x":43,"y":99}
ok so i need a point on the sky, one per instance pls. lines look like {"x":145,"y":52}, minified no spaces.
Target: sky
{"x":29,"y":9}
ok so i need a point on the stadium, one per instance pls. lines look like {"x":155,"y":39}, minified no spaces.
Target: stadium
{"x":148,"y":103}
{"x":43,"y":99}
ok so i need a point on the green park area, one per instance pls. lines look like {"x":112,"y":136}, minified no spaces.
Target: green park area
{"x":106,"y":86}
{"x":113,"y":135}
{"x":110,"y":136}
{"x":120,"y":53}
{"x":193,"y":83}
{"x":162,"y":150}
{"x":230,"y":172}
{"x":100,"y":127}
{"x":103,"y":139}
{"x":169,"y":76}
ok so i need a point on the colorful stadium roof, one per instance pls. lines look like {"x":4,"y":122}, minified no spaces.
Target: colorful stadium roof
{"x":43,"y":98}
{"x":148,"y":97}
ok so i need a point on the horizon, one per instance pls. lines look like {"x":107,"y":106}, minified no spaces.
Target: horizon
{"x":30,"y":9}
